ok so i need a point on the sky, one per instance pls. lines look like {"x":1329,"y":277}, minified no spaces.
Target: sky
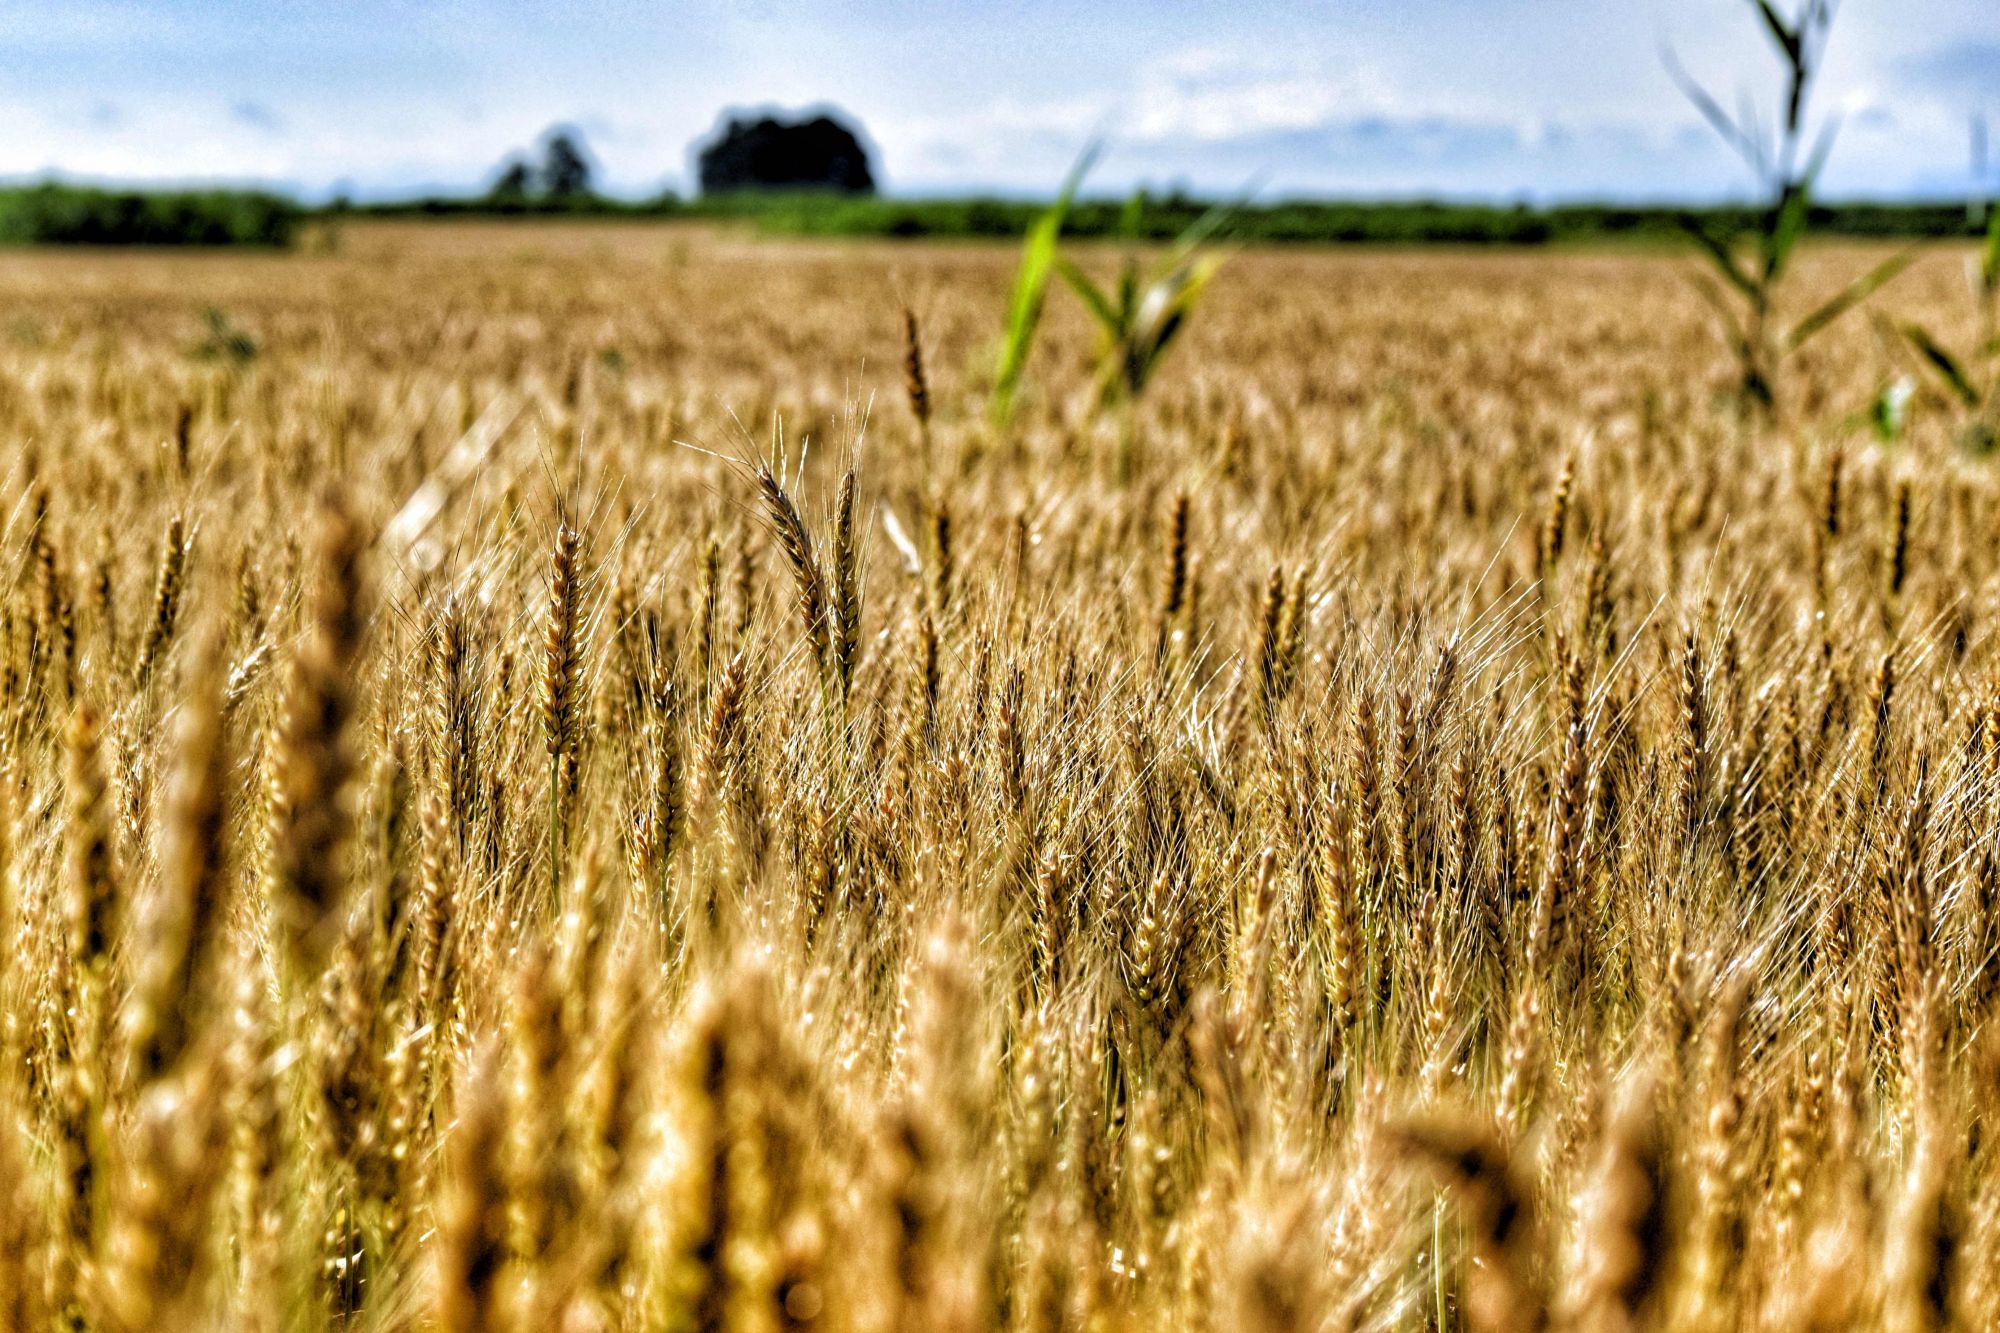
{"x":1498,"y":99}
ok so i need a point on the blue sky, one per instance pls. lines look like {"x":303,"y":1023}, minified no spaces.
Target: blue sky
{"x":1492,"y":98}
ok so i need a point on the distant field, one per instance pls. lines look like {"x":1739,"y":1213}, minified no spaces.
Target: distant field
{"x":1464,"y":827}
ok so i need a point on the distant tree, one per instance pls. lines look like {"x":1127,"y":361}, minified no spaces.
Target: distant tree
{"x":565,"y":170}
{"x":769,"y":154}
{"x":513,"y":182}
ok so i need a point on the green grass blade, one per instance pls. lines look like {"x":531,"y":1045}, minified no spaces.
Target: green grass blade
{"x":1943,"y":363}
{"x":1133,"y":214}
{"x":1031,"y":288}
{"x":1724,"y":258}
{"x":1795,"y":207}
{"x":1706,"y":288}
{"x":1202,"y":228}
{"x":1094,"y":300}
{"x":1846,"y":299}
{"x":1164,"y":310}
{"x":1889,"y":412}
{"x":1782,"y":33}
{"x":1789,"y":228}
{"x":1737,"y":136}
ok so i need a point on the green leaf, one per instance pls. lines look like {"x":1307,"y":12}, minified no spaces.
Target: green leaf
{"x":1943,"y":363}
{"x":1786,"y":230}
{"x":1890,"y":411}
{"x":1205,"y":226}
{"x":1031,"y":287}
{"x":1795,"y":205}
{"x":1782,"y":33}
{"x":1718,"y":250}
{"x":1846,"y":299}
{"x":1709,"y":292}
{"x":1163,"y":311}
{"x":1738,"y":137}
{"x":1094,"y":300}
{"x":1133,"y":216}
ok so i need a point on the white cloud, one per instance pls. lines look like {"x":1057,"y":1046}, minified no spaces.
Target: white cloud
{"x":1353,"y":97}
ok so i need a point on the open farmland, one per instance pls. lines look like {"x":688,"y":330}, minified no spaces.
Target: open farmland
{"x":1437,"y":820}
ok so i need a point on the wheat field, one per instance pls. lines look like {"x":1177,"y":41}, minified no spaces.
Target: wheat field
{"x":568,"y":777}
